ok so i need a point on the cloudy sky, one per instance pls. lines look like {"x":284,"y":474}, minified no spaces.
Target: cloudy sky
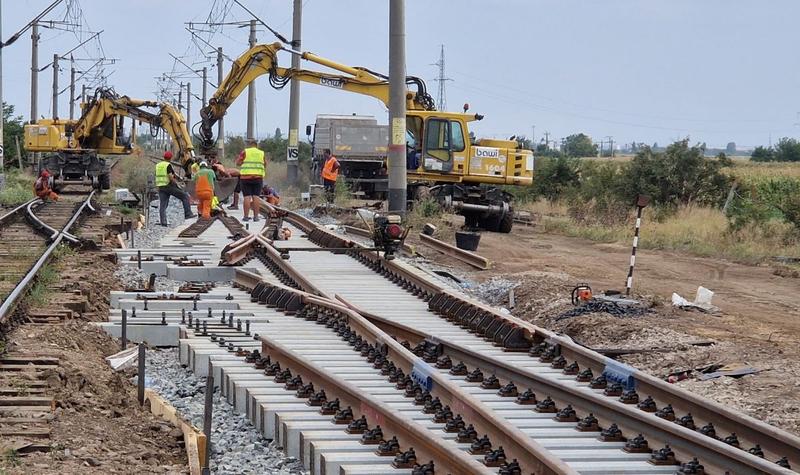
{"x":650,"y":71}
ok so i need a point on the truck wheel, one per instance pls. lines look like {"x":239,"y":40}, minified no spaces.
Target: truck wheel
{"x":506,"y":223}
{"x":105,"y":181}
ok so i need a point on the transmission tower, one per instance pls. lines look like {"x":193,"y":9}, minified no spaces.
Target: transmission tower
{"x":441,"y":100}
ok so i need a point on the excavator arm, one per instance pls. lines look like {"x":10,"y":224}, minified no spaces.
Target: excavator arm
{"x":262,"y":59}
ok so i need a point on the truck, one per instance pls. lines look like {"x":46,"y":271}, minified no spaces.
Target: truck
{"x":360,"y":145}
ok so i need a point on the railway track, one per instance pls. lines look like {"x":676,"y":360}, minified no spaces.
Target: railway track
{"x":29,"y":234}
{"x":625,"y":408}
{"x":321,"y":348}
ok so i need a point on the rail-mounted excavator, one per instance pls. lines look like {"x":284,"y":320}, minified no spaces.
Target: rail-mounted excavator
{"x":462,"y":173}
{"x":73,"y":147}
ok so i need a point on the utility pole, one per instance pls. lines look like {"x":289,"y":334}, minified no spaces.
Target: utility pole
{"x":251,"y":91}
{"x":180,"y":96}
{"x":34,"y":71}
{"x":72,"y":92}
{"x":205,"y":81}
{"x":533,"y":135}
{"x":188,"y":104}
{"x":547,"y":140}
{"x":292,"y":151}
{"x":55,"y":86}
{"x":397,"y":106}
{"x":221,"y":123}
{"x":610,"y":146}
{"x":83,"y":93}
{"x":2,"y":113}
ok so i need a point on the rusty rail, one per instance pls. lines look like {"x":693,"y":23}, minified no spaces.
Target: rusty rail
{"x":467,"y":257}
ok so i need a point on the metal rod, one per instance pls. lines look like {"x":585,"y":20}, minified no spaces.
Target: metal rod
{"x":397,"y":106}
{"x":292,"y":150}
{"x":208,"y":411}
{"x":72,"y":93}
{"x":124,"y":328}
{"x":139,"y":259}
{"x":140,"y":378}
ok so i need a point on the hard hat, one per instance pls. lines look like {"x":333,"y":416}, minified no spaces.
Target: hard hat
{"x":45,"y":173}
{"x":167,"y":155}
{"x":203,"y":164}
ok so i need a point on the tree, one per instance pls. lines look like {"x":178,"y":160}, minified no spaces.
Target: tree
{"x":787,"y":150}
{"x":730,"y":148}
{"x":278,"y":134}
{"x":555,"y":175}
{"x":678,"y":176}
{"x":763,"y":154}
{"x":579,"y":145}
{"x":12,"y":128}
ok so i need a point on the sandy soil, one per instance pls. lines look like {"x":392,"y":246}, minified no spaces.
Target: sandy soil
{"x":758,"y":324}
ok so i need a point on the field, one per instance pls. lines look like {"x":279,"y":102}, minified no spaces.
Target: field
{"x":698,"y":230}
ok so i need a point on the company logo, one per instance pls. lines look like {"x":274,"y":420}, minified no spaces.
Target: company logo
{"x":487,"y":152}
{"x":330,"y":82}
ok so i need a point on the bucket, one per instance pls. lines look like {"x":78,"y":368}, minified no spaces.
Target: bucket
{"x":467,"y":241}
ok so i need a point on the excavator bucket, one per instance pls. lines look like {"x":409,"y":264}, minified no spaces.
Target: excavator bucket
{"x":222,"y":190}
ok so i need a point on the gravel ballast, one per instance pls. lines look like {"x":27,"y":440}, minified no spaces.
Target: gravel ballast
{"x":236,"y":446}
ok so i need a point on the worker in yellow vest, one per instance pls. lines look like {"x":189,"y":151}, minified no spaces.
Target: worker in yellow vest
{"x":252,"y":169}
{"x":330,"y":172}
{"x":167,"y":184}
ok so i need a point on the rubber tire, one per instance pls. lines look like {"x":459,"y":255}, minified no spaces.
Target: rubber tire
{"x":105,"y":182}
{"x":505,"y":224}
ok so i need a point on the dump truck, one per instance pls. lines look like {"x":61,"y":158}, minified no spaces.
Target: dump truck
{"x":359,"y":143}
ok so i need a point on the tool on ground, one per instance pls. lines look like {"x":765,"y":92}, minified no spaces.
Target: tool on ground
{"x":581,"y":294}
{"x":388,"y":234}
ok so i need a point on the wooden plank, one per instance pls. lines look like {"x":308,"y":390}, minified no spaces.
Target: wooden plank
{"x":25,"y":432}
{"x":194,"y":440}
{"x":25,"y":367}
{"x":34,"y":360}
{"x":26,"y":401}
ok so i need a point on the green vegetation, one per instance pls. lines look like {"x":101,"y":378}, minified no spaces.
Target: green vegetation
{"x":13,"y":133}
{"x":40,"y":292}
{"x":595,"y":200}
{"x":18,"y":190}
{"x":786,"y":150}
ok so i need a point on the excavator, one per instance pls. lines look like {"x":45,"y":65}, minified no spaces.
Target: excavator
{"x":445,"y":161}
{"x":73,"y":147}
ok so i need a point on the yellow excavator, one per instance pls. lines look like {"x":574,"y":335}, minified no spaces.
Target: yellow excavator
{"x":444,"y":160}
{"x":73,"y":147}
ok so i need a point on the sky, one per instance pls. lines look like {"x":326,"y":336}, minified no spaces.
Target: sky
{"x":714,"y":71}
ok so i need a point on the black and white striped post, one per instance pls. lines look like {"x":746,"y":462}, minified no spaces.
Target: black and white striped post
{"x":641,"y":202}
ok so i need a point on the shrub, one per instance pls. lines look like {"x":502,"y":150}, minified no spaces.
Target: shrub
{"x":554,"y":176}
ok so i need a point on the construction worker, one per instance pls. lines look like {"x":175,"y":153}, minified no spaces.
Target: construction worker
{"x":204,"y":180}
{"x":167,"y":184}
{"x":41,"y":187}
{"x":252,"y":169}
{"x":270,"y":195}
{"x":330,"y":172}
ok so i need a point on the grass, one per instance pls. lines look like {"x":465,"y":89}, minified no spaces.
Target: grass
{"x":695,"y":230}
{"x":18,"y":189}
{"x":754,"y":170}
{"x":40,"y":292}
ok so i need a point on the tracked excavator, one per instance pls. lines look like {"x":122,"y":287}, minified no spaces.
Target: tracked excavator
{"x":445,"y":161}
{"x":73,"y":148}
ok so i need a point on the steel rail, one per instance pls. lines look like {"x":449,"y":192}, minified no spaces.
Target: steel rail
{"x":475,"y":260}
{"x":686,"y":443}
{"x":41,"y":225}
{"x":775,"y":442}
{"x":15,"y":211}
{"x":15,"y":295}
{"x":516,"y":444}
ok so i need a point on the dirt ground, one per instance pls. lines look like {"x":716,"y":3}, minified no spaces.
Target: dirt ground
{"x":98,"y":426}
{"x":758,"y":323}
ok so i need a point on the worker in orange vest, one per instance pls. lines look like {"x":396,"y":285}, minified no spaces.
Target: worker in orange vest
{"x":330,"y":172}
{"x":204,"y":189}
{"x":41,"y":187}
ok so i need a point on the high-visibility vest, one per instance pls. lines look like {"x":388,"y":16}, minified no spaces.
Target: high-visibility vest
{"x":328,"y":172}
{"x":253,"y":163}
{"x":162,"y":178}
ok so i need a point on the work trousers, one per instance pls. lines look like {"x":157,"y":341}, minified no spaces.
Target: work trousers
{"x":330,"y":189}
{"x":204,"y":206}
{"x":164,"y":192}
